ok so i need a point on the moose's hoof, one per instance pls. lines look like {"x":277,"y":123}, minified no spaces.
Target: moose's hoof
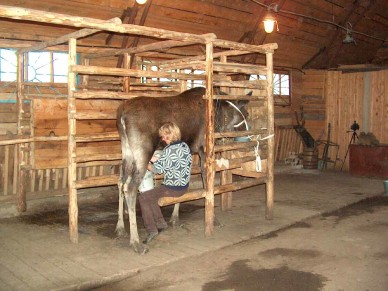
{"x":120,"y":232}
{"x":174,"y":222}
{"x":139,"y":248}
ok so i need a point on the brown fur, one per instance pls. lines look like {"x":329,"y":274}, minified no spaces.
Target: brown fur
{"x":138,"y":122}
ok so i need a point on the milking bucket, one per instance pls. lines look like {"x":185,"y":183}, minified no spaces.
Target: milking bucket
{"x":148,"y":180}
{"x":147,"y":183}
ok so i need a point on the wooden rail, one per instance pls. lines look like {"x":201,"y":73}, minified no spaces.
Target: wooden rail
{"x":198,"y":194}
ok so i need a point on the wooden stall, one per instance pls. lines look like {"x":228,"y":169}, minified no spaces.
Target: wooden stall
{"x":93,"y":85}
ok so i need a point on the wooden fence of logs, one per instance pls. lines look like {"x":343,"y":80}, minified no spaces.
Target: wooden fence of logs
{"x":80,"y":144}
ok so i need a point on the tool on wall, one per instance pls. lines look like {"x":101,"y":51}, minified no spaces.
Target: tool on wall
{"x":308,"y":140}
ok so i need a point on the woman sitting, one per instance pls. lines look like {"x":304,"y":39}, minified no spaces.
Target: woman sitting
{"x":175,"y":164}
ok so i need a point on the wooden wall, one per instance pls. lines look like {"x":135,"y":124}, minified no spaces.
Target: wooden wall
{"x":313,"y":101}
{"x":361,"y":97}
{"x":326,"y":96}
{"x":8,"y":118}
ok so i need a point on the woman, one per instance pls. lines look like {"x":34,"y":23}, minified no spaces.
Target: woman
{"x":175,"y":164}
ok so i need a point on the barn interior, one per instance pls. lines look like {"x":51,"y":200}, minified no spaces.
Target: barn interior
{"x":329,"y":83}
{"x":318,"y":76}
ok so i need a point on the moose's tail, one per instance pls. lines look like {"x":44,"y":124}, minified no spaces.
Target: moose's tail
{"x":127,"y":154}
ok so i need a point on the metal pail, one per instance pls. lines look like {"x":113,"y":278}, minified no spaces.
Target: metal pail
{"x":147,"y":183}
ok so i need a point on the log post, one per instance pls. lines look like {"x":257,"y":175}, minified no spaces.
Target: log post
{"x":226,"y":176}
{"x":85,"y":78}
{"x":210,"y":160}
{"x":271,"y":146}
{"x":71,"y":162}
{"x":21,"y":172}
{"x":126,"y":65}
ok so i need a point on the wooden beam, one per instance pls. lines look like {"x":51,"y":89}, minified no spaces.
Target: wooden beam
{"x":136,"y":40}
{"x":87,"y":22}
{"x":156,"y":46}
{"x":95,"y":70}
{"x":131,"y":20}
{"x":359,"y":16}
{"x":124,"y":19}
{"x":271,"y":143}
{"x":119,"y":95}
{"x":270,"y":47}
{"x":233,"y":68}
{"x":77,"y":34}
{"x":324,"y":51}
{"x":20,"y":149}
{"x":71,"y":155}
{"x":210,"y":163}
{"x":178,"y":62}
{"x":199,"y":194}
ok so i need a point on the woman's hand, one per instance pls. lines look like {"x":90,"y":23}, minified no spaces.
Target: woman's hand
{"x":154,"y":159}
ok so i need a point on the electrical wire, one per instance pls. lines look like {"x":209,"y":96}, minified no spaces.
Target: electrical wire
{"x":315,"y":19}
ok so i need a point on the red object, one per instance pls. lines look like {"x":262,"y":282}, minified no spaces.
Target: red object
{"x":369,"y":161}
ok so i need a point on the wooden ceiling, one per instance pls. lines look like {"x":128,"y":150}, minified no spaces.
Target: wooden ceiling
{"x":310,"y":32}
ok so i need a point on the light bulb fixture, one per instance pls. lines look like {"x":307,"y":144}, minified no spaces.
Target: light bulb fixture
{"x":269,"y":19}
{"x":348,"y":37}
{"x":269,"y":22}
{"x":141,"y":1}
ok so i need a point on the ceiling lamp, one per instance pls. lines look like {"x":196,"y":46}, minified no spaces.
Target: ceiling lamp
{"x":348,"y":37}
{"x":269,"y":19}
{"x":141,"y":1}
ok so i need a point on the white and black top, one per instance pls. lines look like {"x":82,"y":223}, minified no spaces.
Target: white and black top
{"x":175,"y":163}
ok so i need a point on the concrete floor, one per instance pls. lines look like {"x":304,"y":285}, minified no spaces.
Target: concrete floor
{"x":36,"y":253}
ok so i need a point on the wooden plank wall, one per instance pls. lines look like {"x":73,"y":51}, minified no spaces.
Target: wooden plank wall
{"x":50,"y":119}
{"x":8,"y":118}
{"x":346,"y":95}
{"x":313,"y":102}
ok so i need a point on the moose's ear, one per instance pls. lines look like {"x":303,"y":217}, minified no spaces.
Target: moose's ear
{"x":241,"y":103}
{"x":250,"y":93}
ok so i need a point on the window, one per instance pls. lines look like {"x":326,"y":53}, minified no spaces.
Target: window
{"x":47,"y":67}
{"x":195,"y":83}
{"x":281,"y":87}
{"x":7,"y":65}
{"x":190,"y":83}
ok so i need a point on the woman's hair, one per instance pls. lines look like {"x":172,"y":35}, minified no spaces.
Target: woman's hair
{"x":171,"y":130}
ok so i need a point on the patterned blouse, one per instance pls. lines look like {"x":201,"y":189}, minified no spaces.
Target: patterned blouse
{"x":175,"y":163}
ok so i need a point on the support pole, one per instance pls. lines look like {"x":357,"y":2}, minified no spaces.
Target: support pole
{"x":127,"y":65}
{"x":210,"y":167}
{"x":271,"y":143}
{"x":21,"y":183}
{"x":226,"y":176}
{"x":71,"y":162}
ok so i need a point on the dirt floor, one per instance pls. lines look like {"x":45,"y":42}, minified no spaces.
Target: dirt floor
{"x":329,"y":232}
{"x":343,"y":250}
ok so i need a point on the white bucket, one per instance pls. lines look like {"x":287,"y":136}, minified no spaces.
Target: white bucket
{"x":148,"y":180}
{"x":147,"y":183}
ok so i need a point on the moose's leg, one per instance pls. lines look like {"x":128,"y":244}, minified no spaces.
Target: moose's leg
{"x":120,"y":230}
{"x":174,"y":220}
{"x":130,"y":197}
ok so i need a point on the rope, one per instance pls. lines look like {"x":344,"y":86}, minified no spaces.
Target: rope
{"x":244,"y":120}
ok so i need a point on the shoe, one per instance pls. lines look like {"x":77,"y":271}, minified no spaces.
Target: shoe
{"x":150,"y":237}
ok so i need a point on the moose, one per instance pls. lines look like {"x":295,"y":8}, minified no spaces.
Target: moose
{"x":138,"y":122}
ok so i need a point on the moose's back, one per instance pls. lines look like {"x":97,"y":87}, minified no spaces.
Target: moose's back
{"x":144,"y":116}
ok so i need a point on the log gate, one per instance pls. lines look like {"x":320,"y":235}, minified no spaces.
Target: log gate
{"x":134,"y":82}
